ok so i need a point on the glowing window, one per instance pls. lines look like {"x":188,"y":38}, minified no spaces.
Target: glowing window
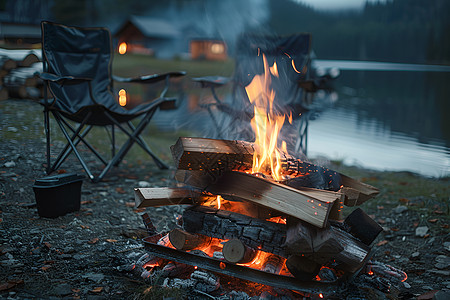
{"x":217,"y":48}
{"x":123,"y":48}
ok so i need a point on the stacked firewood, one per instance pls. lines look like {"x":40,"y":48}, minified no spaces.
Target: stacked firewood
{"x":19,"y":71}
{"x":297,"y":223}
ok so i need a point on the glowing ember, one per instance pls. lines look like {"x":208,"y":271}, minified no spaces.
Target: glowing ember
{"x":266,"y":123}
{"x":277,"y":220}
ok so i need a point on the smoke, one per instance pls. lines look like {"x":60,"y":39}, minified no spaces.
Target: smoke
{"x":224,"y":20}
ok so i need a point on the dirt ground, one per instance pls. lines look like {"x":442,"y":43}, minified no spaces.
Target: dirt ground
{"x":79,"y":255}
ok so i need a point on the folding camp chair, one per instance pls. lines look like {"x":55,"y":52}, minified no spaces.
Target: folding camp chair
{"x":294,"y":86}
{"x":77,"y":72}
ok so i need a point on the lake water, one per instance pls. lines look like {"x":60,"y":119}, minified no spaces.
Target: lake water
{"x":380,"y":120}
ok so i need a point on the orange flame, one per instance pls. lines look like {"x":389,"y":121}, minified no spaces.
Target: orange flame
{"x":266,"y":123}
{"x":122,"y":97}
{"x":123,"y":48}
{"x":219,"y":198}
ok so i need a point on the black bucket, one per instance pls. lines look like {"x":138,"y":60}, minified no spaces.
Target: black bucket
{"x":58,"y":195}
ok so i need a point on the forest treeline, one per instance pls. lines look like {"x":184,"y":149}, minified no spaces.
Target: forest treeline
{"x":415,"y":31}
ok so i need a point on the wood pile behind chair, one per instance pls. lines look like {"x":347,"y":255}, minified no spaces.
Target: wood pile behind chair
{"x":19,"y":71}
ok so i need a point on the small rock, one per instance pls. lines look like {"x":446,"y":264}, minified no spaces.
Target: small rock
{"x":415,"y":255}
{"x":97,"y":278}
{"x":66,"y":256}
{"x":12,"y":129}
{"x":442,"y":295}
{"x":443,"y":262}
{"x":143,"y":184}
{"x":440,"y":272}
{"x":400,"y":209}
{"x":63,"y":289}
{"x":68,"y":250}
{"x":406,"y":285}
{"x":421,"y":231}
{"x":9,"y":164}
{"x":447,"y":246}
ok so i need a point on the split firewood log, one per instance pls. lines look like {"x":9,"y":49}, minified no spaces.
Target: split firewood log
{"x":310,"y":205}
{"x":183,"y":240}
{"x":323,"y":245}
{"x":235,"y":251}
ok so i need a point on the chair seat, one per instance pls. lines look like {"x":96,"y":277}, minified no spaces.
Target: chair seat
{"x":97,"y":111}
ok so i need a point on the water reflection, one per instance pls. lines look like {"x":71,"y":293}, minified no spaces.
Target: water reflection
{"x":381,"y":120}
{"x":388,"y":120}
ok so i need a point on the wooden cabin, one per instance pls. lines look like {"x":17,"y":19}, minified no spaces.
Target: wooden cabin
{"x":208,"y":49}
{"x":148,"y":35}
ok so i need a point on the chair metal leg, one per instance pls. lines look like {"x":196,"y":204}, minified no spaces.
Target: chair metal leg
{"x":134,"y":137}
{"x":80,"y":137}
{"x":67,"y":149}
{"x":47,"y":136}
{"x":72,"y":145}
{"x":113,"y":141}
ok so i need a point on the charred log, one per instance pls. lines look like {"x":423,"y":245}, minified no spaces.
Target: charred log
{"x":257,"y":234}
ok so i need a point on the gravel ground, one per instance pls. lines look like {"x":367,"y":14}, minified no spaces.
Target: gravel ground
{"x":79,"y":255}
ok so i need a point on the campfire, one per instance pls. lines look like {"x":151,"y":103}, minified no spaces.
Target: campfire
{"x":259,"y":214}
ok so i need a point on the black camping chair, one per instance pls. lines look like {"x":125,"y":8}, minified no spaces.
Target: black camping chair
{"x":294,"y":87}
{"x":77,"y":72}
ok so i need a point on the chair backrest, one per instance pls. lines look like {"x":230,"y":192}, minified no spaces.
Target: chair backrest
{"x":291,"y":53}
{"x":78,"y":52}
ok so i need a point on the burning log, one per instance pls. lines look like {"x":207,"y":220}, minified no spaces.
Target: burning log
{"x":269,"y":195}
{"x":236,"y":251}
{"x":310,"y":205}
{"x":273,"y":264}
{"x":257,"y":234}
{"x":183,"y":240}
{"x":217,"y":156}
{"x":323,"y":245}
{"x":152,"y":197}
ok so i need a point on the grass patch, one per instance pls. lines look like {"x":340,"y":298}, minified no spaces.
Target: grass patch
{"x":429,"y":197}
{"x":135,"y":64}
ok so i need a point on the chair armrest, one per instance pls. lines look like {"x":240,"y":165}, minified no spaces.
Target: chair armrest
{"x":61,"y":80}
{"x":149,"y":78}
{"x":212,"y":81}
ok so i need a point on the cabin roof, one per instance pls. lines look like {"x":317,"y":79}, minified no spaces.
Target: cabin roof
{"x":151,"y":27}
